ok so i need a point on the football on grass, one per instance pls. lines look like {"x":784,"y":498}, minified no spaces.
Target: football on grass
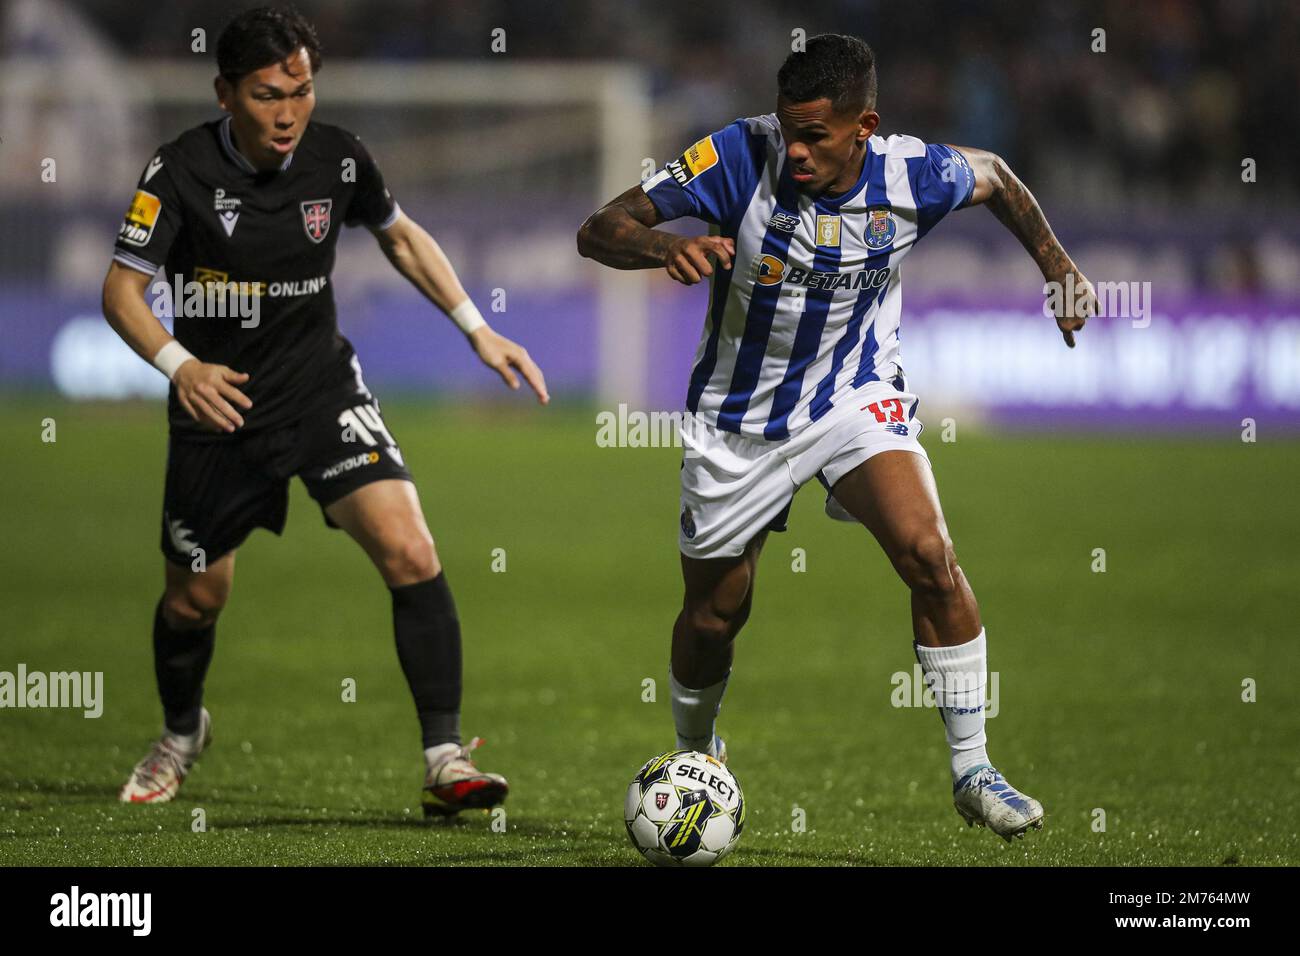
{"x":684,"y":809}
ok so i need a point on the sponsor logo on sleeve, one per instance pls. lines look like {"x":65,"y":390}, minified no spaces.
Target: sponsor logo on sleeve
{"x":697,"y":159}
{"x":155,"y":164}
{"x":141,"y":217}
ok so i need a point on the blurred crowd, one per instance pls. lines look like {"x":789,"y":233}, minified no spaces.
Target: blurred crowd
{"x":1184,"y":91}
{"x":1130,"y":120}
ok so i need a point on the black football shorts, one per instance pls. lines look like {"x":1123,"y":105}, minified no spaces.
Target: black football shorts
{"x":218,"y":491}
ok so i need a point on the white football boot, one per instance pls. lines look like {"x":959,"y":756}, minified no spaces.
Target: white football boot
{"x":160,"y":774}
{"x":983,"y":796}
{"x":455,"y":784}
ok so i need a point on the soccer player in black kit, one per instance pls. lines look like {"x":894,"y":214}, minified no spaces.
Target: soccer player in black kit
{"x":250,"y":207}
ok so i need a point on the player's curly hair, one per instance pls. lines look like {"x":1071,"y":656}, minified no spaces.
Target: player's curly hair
{"x":832,"y":65}
{"x":263,"y":36}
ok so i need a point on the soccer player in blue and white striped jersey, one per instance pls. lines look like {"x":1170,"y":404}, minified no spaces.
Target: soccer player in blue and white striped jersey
{"x":798,"y":372}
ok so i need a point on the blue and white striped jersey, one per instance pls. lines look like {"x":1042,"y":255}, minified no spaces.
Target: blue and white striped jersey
{"x":810,"y":309}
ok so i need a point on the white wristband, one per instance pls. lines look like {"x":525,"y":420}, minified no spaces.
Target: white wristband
{"x":466,"y":315}
{"x":171,"y":357}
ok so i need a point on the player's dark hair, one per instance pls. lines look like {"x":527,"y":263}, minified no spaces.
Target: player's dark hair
{"x":840,"y":68}
{"x":264,"y":36}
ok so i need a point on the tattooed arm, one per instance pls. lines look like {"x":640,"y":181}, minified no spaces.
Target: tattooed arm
{"x":621,"y":234}
{"x":1011,"y":201}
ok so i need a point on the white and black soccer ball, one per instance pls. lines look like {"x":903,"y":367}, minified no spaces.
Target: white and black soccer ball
{"x":684,"y":809}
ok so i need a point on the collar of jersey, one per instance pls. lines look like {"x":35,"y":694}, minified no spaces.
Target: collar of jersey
{"x":238,"y":158}
{"x":855,"y":189}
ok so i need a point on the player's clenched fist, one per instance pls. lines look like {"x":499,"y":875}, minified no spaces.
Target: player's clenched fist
{"x":688,"y":258}
{"x":208,"y":393}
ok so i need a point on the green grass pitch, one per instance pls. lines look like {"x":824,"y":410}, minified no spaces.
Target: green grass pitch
{"x":1119,"y":692}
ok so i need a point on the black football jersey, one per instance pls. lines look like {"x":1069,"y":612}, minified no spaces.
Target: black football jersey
{"x":202,"y":212}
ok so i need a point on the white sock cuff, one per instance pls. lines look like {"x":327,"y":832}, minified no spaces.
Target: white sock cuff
{"x":694,"y":712}
{"x":695,"y":695}
{"x":957,"y":674}
{"x":957,"y":657}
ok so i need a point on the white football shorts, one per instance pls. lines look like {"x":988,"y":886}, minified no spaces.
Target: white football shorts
{"x":734,"y":487}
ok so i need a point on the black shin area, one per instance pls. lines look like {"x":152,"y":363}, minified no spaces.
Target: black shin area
{"x":428,"y":646}
{"x":180,"y":661}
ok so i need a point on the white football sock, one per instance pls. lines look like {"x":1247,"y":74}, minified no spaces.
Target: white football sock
{"x":960,"y":673}
{"x":694,"y":713}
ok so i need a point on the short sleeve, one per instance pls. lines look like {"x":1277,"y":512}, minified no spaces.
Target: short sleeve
{"x":710,"y":178}
{"x":942,"y":180}
{"x":151,"y":221}
{"x":372,"y":204}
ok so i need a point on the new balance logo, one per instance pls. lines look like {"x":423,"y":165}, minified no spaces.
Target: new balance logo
{"x":784,"y":222}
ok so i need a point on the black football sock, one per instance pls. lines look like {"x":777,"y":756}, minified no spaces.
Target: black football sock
{"x":428,"y":645}
{"x":180,"y":662}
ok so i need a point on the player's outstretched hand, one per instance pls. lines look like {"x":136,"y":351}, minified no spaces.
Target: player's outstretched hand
{"x":208,"y":393}
{"x":1074,"y":310}
{"x":688,"y":261}
{"x":503,"y":355}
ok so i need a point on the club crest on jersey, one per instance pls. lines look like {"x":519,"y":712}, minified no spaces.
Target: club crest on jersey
{"x":688,"y":523}
{"x":828,"y":230}
{"x":316,"y":218}
{"x":881,"y":228}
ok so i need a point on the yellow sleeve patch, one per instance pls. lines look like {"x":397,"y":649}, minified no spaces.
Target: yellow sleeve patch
{"x":701,"y":156}
{"x":144,"y":209}
{"x":141,"y":217}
